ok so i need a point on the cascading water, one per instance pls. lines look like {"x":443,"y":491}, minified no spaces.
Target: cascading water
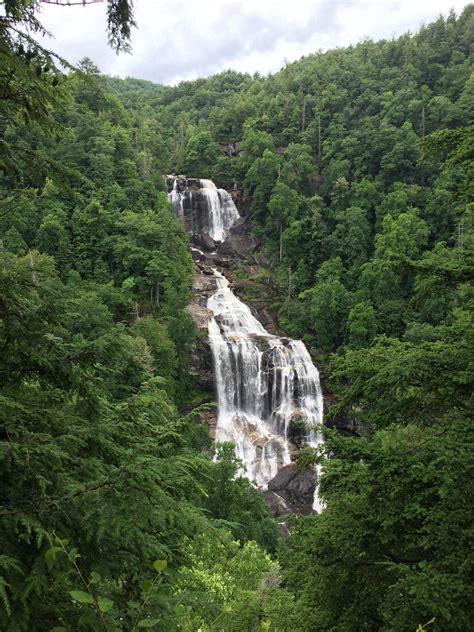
{"x":222,"y":210}
{"x":265,"y":385}
{"x":176,"y":199}
{"x":269,"y":394}
{"x":204,"y":208}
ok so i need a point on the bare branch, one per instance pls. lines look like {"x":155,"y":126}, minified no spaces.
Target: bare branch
{"x":69,"y":3}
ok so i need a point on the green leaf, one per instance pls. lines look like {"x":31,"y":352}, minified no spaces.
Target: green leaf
{"x":95,"y":578}
{"x":105,"y":604}
{"x":81,"y":596}
{"x":50,"y":556}
{"x":147,"y":623}
{"x":73,"y":554}
{"x":90,"y":620}
{"x":160,"y":565}
{"x":145,"y":585}
{"x":133,"y":605}
{"x":58,"y":628}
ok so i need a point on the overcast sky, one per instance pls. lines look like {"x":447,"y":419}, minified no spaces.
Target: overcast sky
{"x":178,"y":40}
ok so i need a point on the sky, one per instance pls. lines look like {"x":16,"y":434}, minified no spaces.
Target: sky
{"x":178,"y":40}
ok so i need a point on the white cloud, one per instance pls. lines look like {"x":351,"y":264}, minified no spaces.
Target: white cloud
{"x":181,"y":39}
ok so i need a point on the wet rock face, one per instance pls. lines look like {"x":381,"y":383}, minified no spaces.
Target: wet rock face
{"x":201,"y":367}
{"x":196,"y":214}
{"x":276,"y":504}
{"x":239,"y":243}
{"x":297,"y":429}
{"x":200,"y":360}
{"x":291,"y":491}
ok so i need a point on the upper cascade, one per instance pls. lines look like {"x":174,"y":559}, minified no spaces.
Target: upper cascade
{"x":202,"y":207}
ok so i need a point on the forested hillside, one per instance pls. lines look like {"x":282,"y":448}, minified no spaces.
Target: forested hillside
{"x":357,"y":165}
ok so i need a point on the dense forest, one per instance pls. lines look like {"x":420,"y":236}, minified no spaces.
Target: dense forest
{"x":357,"y":166}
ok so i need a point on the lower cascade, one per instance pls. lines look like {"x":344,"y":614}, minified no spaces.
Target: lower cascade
{"x":269,"y":395}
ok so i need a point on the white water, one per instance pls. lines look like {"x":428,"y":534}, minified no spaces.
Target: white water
{"x":176,"y":199}
{"x":262,"y":382}
{"x":222,"y":210}
{"x":217,"y":215}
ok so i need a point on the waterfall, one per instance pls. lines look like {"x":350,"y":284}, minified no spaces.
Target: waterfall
{"x":176,"y":199}
{"x":269,"y":394}
{"x":203,"y":207}
{"x":222,"y":210}
{"x":268,"y":388}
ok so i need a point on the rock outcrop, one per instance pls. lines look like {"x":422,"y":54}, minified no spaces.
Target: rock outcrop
{"x":291,"y":491}
{"x":346,"y":424}
{"x":200,"y":362}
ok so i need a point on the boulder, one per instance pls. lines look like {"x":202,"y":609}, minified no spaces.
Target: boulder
{"x":204,"y":283}
{"x":204,"y":242}
{"x":295,"y":487}
{"x":276,"y":504}
{"x":218,"y":260}
{"x":197,"y":255}
{"x":298,"y":430}
{"x":200,"y":315}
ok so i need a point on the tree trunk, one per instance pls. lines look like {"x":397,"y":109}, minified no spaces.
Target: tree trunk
{"x":319,"y":139}
{"x":281,"y":241}
{"x":289,"y":282}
